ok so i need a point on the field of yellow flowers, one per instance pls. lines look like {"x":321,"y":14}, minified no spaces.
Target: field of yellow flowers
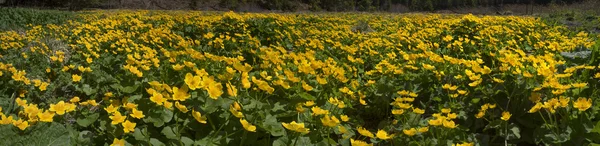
{"x":224,"y":78}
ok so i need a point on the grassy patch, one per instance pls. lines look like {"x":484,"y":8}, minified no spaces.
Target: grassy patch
{"x":21,"y":18}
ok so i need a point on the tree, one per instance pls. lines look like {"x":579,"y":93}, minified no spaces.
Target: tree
{"x":194,"y":4}
{"x":364,"y":5}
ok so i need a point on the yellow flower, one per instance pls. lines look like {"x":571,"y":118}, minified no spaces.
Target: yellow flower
{"x":92,"y":102}
{"x":231,"y":90}
{"x":365,"y":132}
{"x":359,"y":143}
{"x":299,"y":108}
{"x":246,"y":82}
{"x":384,"y":135}
{"x":181,"y":108}
{"x":248,"y":126}
{"x":418,"y":111}
{"x":453,"y":88}
{"x":397,"y":111}
{"x":117,"y":118}
{"x":74,"y":99}
{"x":451,"y":115}
{"x":323,"y":81}
{"x":564,"y":101}
{"x":413,"y":95}
{"x":505,"y":116}
{"x":428,"y":67}
{"x":449,"y":124}
{"x":46,"y":116}
{"x":582,"y":104}
{"x":410,"y":132}
{"x":462,"y":92}
{"x":193,"y":82}
{"x":60,"y":108}
{"x":130,"y":105}
{"x":446,"y":110}
{"x":6,"y":120}
{"x":43,"y":86}
{"x":297,"y":127}
{"x":21,"y":102}
{"x":463,"y":144}
{"x":579,"y":85}
{"x":536,"y":107}
{"x":309,"y":103}
{"x":70,"y":107}
{"x":235,"y":109}
{"x":157,"y":98}
{"x":137,"y":114}
{"x":475,"y":83}
{"x":215,"y":90}
{"x":180,"y":94}
{"x":177,"y":67}
{"x":128,"y":126}
{"x":342,"y":129}
{"x":535,"y":97}
{"x":330,"y":121}
{"x":189,"y":64}
{"x":344,"y":118}
{"x":108,"y":94}
{"x":76,"y":78}
{"x":318,"y":111}
{"x":198,"y":116}
{"x":118,"y":142}
{"x":21,"y":124}
{"x":111,"y":108}
{"x":306,"y":86}
{"x":435,"y":122}
{"x":498,"y":80}
{"x":423,"y":129}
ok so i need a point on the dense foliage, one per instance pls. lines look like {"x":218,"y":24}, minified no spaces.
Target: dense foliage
{"x":207,"y":78}
{"x":293,"y":5}
{"x":19,"y":18}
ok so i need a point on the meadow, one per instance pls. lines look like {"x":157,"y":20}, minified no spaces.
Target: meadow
{"x":124,"y":77}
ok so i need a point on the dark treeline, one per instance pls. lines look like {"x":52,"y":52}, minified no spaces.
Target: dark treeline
{"x":294,"y":5}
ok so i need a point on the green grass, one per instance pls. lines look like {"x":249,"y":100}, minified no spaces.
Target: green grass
{"x":23,"y":18}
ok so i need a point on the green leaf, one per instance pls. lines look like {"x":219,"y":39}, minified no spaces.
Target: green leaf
{"x":159,"y":117}
{"x":187,"y":141}
{"x":597,"y":128}
{"x":138,"y":134}
{"x":493,"y":124}
{"x":306,"y":96}
{"x":156,"y":142}
{"x":116,"y":86}
{"x":40,"y":134}
{"x":134,"y":98}
{"x":87,"y":120}
{"x":514,"y":131}
{"x":282,"y":141}
{"x":278,"y":107}
{"x":272,"y":126}
{"x":303,"y":141}
{"x":169,"y":133}
{"x":129,"y":89}
{"x":84,"y":137}
{"x":475,"y":100}
{"x":88,"y":90}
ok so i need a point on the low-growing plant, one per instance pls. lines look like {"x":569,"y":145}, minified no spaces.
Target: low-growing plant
{"x":205,"y":78}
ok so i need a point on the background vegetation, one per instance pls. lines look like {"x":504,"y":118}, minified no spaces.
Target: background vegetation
{"x":283,"y":5}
